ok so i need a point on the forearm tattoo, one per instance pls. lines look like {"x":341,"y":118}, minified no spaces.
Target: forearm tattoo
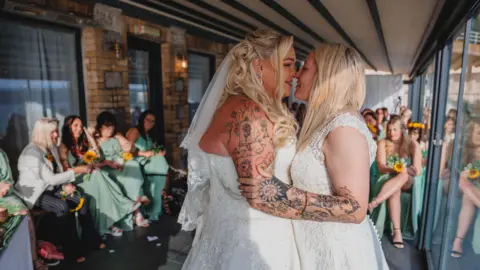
{"x":281,"y":199}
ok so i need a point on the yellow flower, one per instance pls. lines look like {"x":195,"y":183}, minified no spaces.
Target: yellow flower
{"x":90,"y":156}
{"x":398,"y":167}
{"x":473,"y":173}
{"x":79,"y":206}
{"x":372,"y":128}
{"x":127,"y":156}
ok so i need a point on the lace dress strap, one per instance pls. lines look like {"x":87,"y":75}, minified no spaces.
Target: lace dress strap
{"x":190,"y":216}
{"x":343,"y":120}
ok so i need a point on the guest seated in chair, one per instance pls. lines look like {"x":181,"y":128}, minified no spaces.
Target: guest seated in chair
{"x":42,"y":183}
{"x":393,"y":180}
{"x":153,"y":162}
{"x":118,"y":149}
{"x":110,"y":207}
{"x":16,"y":209}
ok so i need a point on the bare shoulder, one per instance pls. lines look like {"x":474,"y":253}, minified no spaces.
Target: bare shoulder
{"x":132,"y":132}
{"x":346,"y":138}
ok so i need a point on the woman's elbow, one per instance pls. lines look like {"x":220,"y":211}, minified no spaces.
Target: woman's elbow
{"x":360,"y":215}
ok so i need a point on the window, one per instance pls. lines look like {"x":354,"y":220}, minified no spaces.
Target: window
{"x":39,"y":77}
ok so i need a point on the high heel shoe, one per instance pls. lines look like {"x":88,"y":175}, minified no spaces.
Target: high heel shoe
{"x":396,"y":244}
{"x":455,"y":253}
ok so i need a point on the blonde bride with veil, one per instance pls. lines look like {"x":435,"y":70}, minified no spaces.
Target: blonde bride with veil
{"x":241,"y":128}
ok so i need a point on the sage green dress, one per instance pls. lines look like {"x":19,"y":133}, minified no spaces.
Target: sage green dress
{"x":106,"y":200}
{"x":10,"y":201}
{"x":155,"y":169}
{"x":130,"y":178}
{"x":411,"y":203}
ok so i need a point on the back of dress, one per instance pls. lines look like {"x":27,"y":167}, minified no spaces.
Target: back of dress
{"x":333,"y":245}
{"x":230,"y":234}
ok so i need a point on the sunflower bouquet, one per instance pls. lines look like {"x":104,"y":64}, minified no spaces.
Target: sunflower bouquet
{"x":91,"y":157}
{"x":473,"y":170}
{"x":126,"y":156}
{"x":396,"y":163}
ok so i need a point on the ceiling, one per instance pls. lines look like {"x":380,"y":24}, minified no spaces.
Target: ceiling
{"x":390,"y":35}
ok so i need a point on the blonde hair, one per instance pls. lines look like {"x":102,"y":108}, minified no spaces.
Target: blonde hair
{"x":243,"y":80}
{"x":338,"y":86}
{"x":469,"y":148}
{"x":42,"y":132}
{"x":405,"y":147}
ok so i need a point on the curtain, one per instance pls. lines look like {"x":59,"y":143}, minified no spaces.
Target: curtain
{"x":38,"y":78}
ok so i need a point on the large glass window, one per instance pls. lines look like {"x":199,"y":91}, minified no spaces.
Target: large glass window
{"x":38,"y":78}
{"x":441,"y":187}
{"x":138,"y":75}
{"x":199,"y":75}
{"x":461,"y":235}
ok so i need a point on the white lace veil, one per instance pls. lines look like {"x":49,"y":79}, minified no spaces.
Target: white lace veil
{"x":198,"y":167}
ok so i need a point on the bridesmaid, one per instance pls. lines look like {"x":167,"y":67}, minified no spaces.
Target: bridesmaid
{"x":154,"y":164}
{"x":118,"y":149}
{"x":108,"y":205}
{"x":390,"y":184}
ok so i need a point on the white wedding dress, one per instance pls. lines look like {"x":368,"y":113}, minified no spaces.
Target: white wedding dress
{"x":230,"y":234}
{"x":333,"y":245}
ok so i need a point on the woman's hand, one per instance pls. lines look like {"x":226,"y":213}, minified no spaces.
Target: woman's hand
{"x":162,"y":153}
{"x":4,"y":188}
{"x":114,"y":165}
{"x":412,"y":171}
{"x":148,"y":154}
{"x":249,"y":187}
{"x":82,"y":169}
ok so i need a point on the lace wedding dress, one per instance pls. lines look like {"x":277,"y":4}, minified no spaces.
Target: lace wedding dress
{"x":230,"y":235}
{"x":333,"y":245}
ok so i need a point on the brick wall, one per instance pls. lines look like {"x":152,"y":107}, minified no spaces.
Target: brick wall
{"x":97,"y":61}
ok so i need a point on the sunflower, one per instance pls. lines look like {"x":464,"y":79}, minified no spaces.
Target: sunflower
{"x":372,"y":128}
{"x":89,"y":157}
{"x":398,"y":166}
{"x":79,"y":206}
{"x":126,"y":156}
{"x":473,"y":173}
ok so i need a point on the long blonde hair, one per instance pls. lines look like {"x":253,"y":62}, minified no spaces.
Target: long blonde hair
{"x":405,"y":146}
{"x":243,"y":80}
{"x":338,"y":86}
{"x":42,"y":133}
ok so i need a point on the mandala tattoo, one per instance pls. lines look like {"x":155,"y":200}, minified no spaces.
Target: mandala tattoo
{"x":273,"y":190}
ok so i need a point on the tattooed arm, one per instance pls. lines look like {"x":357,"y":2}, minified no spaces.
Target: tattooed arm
{"x":347,"y":162}
{"x":241,"y":130}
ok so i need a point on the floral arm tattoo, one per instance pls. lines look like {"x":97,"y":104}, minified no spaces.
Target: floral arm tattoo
{"x":249,"y":139}
{"x":280,"y":199}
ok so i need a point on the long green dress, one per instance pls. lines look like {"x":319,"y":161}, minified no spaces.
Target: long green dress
{"x":411,"y":204}
{"x":11,"y":202}
{"x":106,"y":200}
{"x":155,"y":169}
{"x":130,"y":178}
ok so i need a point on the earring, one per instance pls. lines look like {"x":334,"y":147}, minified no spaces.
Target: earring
{"x":260,"y":77}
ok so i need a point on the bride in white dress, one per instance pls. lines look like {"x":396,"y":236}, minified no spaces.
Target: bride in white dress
{"x":231,"y":137}
{"x":330,"y":172}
